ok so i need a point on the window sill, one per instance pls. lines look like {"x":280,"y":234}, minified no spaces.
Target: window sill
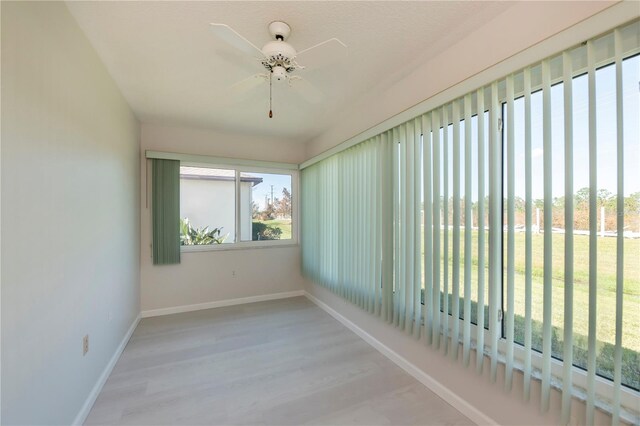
{"x":603,"y":387}
{"x":247,"y":245}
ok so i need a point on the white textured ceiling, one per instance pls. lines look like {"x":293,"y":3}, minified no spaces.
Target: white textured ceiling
{"x":173,"y":70}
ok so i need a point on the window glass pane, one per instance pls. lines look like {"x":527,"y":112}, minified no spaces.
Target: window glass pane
{"x":580,"y":220}
{"x":207,"y":206}
{"x":519,"y":207}
{"x":265,"y":206}
{"x":606,"y":226}
{"x":631,"y":301}
{"x":479,"y":222}
{"x":476,"y":221}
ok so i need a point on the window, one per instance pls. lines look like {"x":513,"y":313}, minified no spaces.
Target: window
{"x":265,"y":207}
{"x":207,"y":206}
{"x":605,"y":106}
{"x":228,"y":206}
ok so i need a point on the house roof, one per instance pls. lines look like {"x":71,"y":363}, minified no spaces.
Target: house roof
{"x":206,"y":173}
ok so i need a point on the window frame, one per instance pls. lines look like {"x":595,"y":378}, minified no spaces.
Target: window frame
{"x":237,"y":244}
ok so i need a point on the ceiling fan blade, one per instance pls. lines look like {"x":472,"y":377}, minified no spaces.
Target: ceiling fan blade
{"x":323,"y":53}
{"x":249,"y":83}
{"x":307,"y":91}
{"x":229,"y":35}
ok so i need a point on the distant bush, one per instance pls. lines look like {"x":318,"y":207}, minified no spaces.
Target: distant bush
{"x":262,"y":231}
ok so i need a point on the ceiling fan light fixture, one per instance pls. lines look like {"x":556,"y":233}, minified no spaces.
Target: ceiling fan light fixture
{"x":279,"y":73}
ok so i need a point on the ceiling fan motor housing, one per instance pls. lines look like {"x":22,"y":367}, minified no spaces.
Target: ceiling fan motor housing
{"x":279,"y":53}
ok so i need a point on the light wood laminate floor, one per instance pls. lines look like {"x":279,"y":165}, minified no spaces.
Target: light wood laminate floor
{"x":282,"y":362}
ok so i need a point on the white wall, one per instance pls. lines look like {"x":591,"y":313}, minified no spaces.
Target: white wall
{"x":212,"y":276}
{"x":70,"y":215}
{"x":210,"y":203}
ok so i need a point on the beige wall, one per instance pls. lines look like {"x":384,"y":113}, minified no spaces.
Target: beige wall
{"x":70,"y":215}
{"x":213,"y":276}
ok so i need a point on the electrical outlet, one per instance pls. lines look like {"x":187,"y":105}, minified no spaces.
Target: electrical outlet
{"x":85,"y":345}
{"x":233,"y":273}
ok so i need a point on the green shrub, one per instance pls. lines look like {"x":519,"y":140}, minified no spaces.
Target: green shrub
{"x":262,"y":231}
{"x":190,"y":236}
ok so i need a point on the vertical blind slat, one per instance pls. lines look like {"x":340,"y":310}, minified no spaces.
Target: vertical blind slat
{"x":354,"y":226}
{"x":481,"y":230}
{"x":346,"y":194}
{"x":377,"y":254}
{"x":467,"y":230}
{"x":362,"y":179}
{"x":445,"y":230}
{"x":435,"y":297}
{"x":349,"y":222}
{"x":417,"y":249}
{"x":357,"y":240}
{"x":617,"y":357}
{"x":357,"y":190}
{"x":455,"y":309}
{"x":528,"y":236}
{"x":495,"y":216}
{"x":548,"y":217}
{"x":567,"y":388}
{"x":388,"y":219}
{"x":396,"y":213}
{"x":593,"y":248}
{"x":409,"y":233}
{"x":428,"y":225}
{"x":369,"y":226}
{"x":510,"y":318}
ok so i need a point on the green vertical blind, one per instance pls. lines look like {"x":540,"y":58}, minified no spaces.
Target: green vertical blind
{"x":462,"y":226}
{"x":165,"y":211}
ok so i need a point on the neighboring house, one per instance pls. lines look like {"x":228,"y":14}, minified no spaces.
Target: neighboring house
{"x":207,"y":199}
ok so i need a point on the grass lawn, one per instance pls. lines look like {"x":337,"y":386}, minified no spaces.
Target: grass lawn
{"x":606,"y":294}
{"x":283,"y":224}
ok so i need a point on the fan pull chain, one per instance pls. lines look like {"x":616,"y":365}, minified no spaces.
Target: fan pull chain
{"x":270,"y":110}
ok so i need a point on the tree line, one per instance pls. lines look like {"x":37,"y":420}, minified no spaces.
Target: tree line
{"x":274,"y":209}
{"x":605,"y":198}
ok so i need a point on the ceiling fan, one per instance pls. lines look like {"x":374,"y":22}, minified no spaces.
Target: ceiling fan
{"x":280,"y":59}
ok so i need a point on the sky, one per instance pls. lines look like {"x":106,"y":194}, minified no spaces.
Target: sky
{"x":606,"y":136}
{"x":264,"y":189}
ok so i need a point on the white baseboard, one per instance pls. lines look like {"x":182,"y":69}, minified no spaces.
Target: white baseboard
{"x":93,"y":395}
{"x":432,"y":384}
{"x":220,"y":303}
